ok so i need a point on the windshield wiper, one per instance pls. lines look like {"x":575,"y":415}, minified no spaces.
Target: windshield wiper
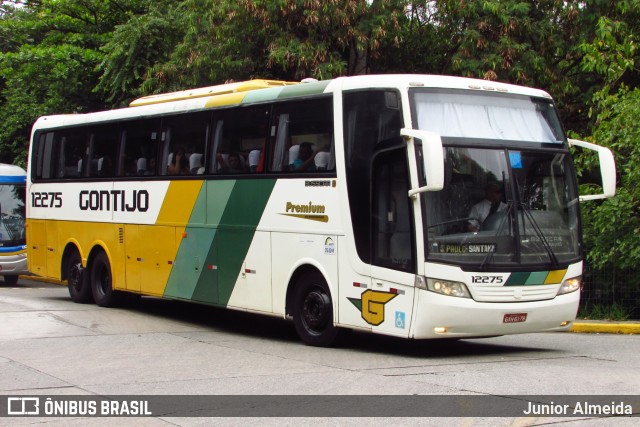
{"x":507,"y":216}
{"x":536,"y":228}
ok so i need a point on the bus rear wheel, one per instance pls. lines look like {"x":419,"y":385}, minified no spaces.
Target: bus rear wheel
{"x":79,"y":288}
{"x":313,"y":311}
{"x":101,"y":282}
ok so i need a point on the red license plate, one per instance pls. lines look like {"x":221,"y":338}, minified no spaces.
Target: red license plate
{"x":514,"y":318}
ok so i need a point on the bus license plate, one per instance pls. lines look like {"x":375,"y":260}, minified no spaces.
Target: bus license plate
{"x":514,"y":318}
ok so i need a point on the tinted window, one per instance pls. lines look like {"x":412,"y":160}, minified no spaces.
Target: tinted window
{"x":240,"y":136}
{"x":139,"y":151}
{"x":184,"y":140}
{"x":303,"y":137}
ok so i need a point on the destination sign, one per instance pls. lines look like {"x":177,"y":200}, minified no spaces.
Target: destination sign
{"x":467,"y":248}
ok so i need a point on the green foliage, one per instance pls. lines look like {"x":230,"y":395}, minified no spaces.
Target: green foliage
{"x":50,"y":50}
{"x":39,"y":80}
{"x":604,"y":312}
{"x":134,"y":48}
{"x":612,"y":226}
{"x":284,"y":39}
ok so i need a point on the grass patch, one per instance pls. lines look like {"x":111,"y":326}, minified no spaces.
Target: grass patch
{"x":603,"y":312}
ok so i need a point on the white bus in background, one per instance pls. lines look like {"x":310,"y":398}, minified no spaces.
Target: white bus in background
{"x":358,"y":202}
{"x":13,"y":249}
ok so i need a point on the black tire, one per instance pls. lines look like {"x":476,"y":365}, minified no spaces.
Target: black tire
{"x":313,"y":311}
{"x":11,"y":280}
{"x":79,"y":287}
{"x":102,"y":284}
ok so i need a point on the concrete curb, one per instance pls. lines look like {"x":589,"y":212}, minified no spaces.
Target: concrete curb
{"x":604,"y":327}
{"x":582,"y":326}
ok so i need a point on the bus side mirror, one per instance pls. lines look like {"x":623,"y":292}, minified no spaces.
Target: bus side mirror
{"x":607,"y":169}
{"x":432,"y":158}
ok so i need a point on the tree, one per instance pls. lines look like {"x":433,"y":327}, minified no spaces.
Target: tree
{"x":285,"y":39}
{"x":50,"y":50}
{"x":612,"y":227}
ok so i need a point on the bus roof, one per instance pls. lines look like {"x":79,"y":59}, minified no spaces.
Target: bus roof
{"x":210,"y":91}
{"x":12,"y":174}
{"x":259,"y":90}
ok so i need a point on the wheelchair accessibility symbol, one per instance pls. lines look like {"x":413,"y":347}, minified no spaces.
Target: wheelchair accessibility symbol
{"x":400,"y":319}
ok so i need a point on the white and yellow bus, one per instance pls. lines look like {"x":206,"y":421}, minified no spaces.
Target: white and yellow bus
{"x":358,"y":202}
{"x":13,"y":250}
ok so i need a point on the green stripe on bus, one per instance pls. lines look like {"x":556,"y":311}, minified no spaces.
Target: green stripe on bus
{"x":190,"y":262}
{"x":517,"y":279}
{"x":535,"y":278}
{"x":304,"y":89}
{"x":262,"y":95}
{"x":242,"y":212}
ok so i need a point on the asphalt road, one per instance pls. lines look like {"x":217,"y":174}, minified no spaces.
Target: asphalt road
{"x":52,"y":346}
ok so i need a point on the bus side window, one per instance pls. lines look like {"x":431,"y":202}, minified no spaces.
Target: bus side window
{"x":71,"y":149}
{"x":102,"y":152}
{"x":303,"y":133}
{"x":238,"y":141}
{"x":45,"y":156}
{"x":139,"y":148}
{"x":184,"y":140}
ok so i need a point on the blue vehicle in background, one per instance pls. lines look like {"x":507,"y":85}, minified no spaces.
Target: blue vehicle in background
{"x":13,"y":247}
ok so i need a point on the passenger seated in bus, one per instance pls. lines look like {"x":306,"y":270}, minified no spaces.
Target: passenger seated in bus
{"x":231,"y":163}
{"x":305,"y":160}
{"x":491,"y":204}
{"x":178,"y":163}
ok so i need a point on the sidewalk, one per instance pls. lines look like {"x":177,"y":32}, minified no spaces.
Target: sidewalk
{"x":579,"y":326}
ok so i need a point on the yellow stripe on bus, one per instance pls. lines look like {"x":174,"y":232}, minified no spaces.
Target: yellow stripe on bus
{"x":179,"y":202}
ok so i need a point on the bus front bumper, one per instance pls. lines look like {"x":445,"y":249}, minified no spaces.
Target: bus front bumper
{"x":13,"y":265}
{"x":440,"y":316}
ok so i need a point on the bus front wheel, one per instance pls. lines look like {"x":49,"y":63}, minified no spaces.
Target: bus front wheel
{"x":79,"y":288}
{"x":10,"y":280}
{"x":101,"y":282}
{"x":313,"y":311}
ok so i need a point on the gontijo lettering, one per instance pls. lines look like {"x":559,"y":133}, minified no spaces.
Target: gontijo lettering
{"x":114,"y":200}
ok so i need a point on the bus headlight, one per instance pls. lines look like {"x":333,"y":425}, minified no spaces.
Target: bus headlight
{"x":570,"y":285}
{"x":446,"y":287}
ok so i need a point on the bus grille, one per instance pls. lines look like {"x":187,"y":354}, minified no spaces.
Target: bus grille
{"x":513,"y":293}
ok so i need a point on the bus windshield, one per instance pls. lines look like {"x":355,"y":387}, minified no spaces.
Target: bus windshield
{"x":12,"y":213}
{"x":509,"y":197}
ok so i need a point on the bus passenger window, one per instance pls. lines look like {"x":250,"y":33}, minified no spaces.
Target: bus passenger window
{"x":184,"y":138}
{"x":102,"y":151}
{"x":139,"y":147}
{"x":71,"y":148}
{"x":303,"y":137}
{"x":239,"y":138}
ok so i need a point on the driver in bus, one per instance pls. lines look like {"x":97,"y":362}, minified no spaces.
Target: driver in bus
{"x":491,"y":204}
